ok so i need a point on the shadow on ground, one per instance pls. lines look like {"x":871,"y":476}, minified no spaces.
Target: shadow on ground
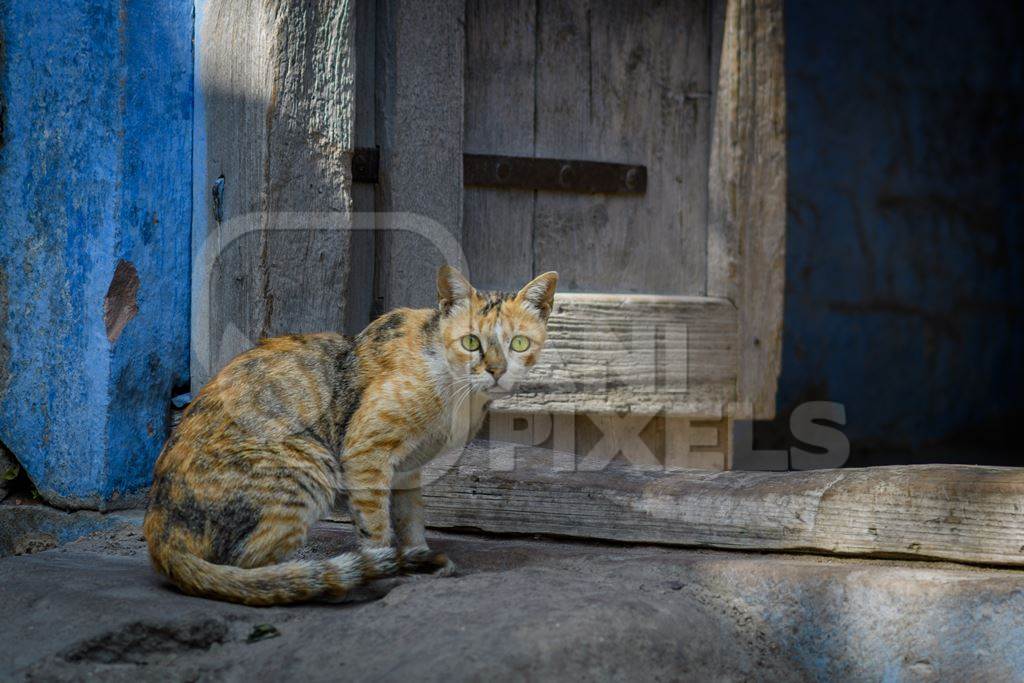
{"x":520,"y":609}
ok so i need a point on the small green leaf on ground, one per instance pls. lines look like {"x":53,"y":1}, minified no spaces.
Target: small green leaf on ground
{"x":11,"y":473}
{"x":262,"y":632}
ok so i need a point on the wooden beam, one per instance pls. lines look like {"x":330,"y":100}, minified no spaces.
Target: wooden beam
{"x":677,"y":442}
{"x":274,"y":96}
{"x":420,"y":50}
{"x":646,"y":355}
{"x":938,"y":512}
{"x":747,"y":192}
{"x":360,"y":306}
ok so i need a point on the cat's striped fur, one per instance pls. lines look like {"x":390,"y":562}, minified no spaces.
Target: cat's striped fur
{"x":266,"y":444}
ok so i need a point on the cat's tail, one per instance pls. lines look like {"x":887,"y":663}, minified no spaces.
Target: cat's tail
{"x":276,"y":584}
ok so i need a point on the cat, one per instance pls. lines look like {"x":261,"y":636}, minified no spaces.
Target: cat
{"x":262,"y":450}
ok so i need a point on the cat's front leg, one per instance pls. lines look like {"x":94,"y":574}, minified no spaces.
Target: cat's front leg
{"x":367,"y":474}
{"x":408,"y":520}
{"x":407,"y":510}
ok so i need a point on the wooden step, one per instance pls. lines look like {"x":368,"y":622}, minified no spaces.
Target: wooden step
{"x":961,"y":513}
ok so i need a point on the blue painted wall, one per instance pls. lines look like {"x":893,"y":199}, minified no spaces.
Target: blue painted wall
{"x":95,"y":170}
{"x":905,"y":281}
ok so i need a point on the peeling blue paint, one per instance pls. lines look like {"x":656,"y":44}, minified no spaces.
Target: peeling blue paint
{"x":21,"y":523}
{"x":95,"y":168}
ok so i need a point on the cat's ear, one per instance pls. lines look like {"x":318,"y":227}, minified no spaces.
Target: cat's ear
{"x":539,"y":293}
{"x":452,"y":289}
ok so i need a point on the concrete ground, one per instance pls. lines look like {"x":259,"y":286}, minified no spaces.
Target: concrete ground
{"x":520,"y":609}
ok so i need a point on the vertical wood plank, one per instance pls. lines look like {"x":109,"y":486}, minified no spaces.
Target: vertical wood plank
{"x":360,"y":281}
{"x":499,"y":118}
{"x":716,"y":30}
{"x":420,"y":65}
{"x":747,"y":189}
{"x":625,"y":82}
{"x":274,"y":87}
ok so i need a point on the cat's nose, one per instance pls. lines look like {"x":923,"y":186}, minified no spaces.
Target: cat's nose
{"x":496,"y":372}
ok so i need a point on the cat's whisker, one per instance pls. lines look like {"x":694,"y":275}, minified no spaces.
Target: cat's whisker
{"x":460,"y":397}
{"x":458,"y":387}
{"x":452,"y":392}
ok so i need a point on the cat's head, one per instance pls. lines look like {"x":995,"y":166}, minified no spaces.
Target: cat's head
{"x":492,"y":339}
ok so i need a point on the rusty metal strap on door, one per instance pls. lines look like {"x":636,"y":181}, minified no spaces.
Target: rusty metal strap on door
{"x":527,"y":173}
{"x":562,"y":175}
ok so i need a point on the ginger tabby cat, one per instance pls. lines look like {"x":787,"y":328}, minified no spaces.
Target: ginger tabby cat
{"x":267,"y":443}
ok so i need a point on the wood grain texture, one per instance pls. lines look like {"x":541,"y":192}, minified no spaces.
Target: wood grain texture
{"x":274,"y":100}
{"x":360,"y":301}
{"x":640,"y":354}
{"x":716,"y":31}
{"x":603,"y":81}
{"x":628,"y":83}
{"x":499,"y":114}
{"x":419,"y":86}
{"x":747,"y":192}
{"x":939,"y":512}
{"x":599,"y":438}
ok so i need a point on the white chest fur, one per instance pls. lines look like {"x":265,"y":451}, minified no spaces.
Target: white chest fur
{"x":456,"y":424}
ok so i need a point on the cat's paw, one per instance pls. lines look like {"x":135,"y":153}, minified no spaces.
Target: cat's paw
{"x":422,"y":559}
{"x":447,"y":567}
{"x":416,"y":558}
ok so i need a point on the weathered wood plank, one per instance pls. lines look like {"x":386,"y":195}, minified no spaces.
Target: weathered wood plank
{"x":420,"y":65}
{"x":649,"y":440}
{"x":945,"y":512}
{"x":625,"y":82}
{"x":500,"y":61}
{"x":274,"y":95}
{"x":747,"y":191}
{"x":644,"y":355}
{"x":588,"y":79}
{"x":360,"y":304}
{"x":716,"y":30}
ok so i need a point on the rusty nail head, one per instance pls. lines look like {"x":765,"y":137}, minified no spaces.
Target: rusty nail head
{"x":566,"y":175}
{"x":632,"y":178}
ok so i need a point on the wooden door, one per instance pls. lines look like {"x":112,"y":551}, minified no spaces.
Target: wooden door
{"x":624,"y":82}
{"x":667,"y":323}
{"x":638,"y":348}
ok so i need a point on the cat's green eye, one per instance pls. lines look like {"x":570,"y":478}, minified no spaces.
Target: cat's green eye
{"x":471,"y":343}
{"x":520,"y":343}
